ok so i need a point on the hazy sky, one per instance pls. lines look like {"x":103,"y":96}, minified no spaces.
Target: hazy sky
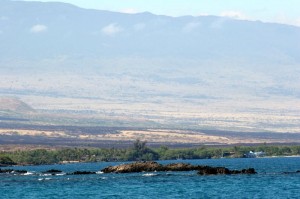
{"x":282,"y":11}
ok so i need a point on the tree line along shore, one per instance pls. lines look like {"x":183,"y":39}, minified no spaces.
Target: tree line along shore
{"x":138,"y":152}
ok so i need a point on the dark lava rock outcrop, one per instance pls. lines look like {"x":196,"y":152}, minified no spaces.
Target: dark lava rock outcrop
{"x":54,"y":171}
{"x":13,"y":171}
{"x":82,"y":173}
{"x":133,"y":167}
{"x":179,"y":167}
{"x":207,"y":170}
{"x":154,"y":166}
{"x":291,"y":172}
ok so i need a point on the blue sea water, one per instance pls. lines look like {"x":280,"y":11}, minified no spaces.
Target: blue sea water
{"x":270,"y":182}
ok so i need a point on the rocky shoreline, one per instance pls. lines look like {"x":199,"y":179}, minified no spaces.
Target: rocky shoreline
{"x":147,"y":166}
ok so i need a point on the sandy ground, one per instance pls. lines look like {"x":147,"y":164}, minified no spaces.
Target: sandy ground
{"x":33,"y":133}
{"x":150,"y":135}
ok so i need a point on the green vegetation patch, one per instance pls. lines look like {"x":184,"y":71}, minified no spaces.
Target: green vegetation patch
{"x":138,"y":152}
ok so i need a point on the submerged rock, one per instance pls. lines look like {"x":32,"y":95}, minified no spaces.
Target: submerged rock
{"x":53,"y":171}
{"x":12,"y":171}
{"x":248,"y":171}
{"x":6,"y":170}
{"x":82,"y":173}
{"x":291,"y":172}
{"x":207,"y":170}
{"x":20,"y":171}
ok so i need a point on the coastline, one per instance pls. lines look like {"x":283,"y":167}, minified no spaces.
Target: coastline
{"x":177,"y":160}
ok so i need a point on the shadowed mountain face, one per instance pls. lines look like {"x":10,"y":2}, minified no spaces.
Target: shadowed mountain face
{"x":58,"y":56}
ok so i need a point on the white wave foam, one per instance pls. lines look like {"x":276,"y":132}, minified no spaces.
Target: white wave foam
{"x":149,"y":174}
{"x":28,"y":173}
{"x":46,"y":174}
{"x":43,"y":179}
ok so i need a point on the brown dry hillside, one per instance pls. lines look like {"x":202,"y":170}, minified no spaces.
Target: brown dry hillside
{"x":14,"y":104}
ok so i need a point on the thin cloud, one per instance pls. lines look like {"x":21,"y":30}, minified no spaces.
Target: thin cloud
{"x":284,"y":19}
{"x":297,"y":22}
{"x":129,"y":11}
{"x":38,"y":28}
{"x":203,"y":14}
{"x":234,"y":14}
{"x":111,"y":29}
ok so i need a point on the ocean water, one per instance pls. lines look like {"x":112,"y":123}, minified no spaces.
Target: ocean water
{"x":270,"y":182}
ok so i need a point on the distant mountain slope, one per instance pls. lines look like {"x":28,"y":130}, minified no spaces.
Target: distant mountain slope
{"x":14,"y":105}
{"x":196,"y":72}
{"x":50,"y":30}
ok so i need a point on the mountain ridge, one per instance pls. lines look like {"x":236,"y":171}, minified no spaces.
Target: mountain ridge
{"x":106,"y":34}
{"x":196,"y":72}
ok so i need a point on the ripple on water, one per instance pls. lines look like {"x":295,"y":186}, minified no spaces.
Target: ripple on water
{"x":270,"y":182}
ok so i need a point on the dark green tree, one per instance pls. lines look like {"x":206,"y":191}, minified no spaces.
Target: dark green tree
{"x":5,"y":160}
{"x":140,"y":151}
